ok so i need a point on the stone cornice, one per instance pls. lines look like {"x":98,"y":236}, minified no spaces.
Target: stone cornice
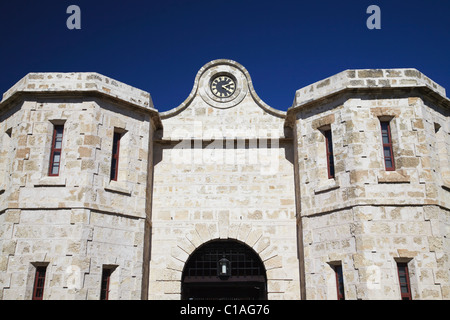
{"x":84,"y":83}
{"x":91,"y":83}
{"x":366,"y":80}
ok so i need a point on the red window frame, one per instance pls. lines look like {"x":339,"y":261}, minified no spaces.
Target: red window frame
{"x":339,"y":282}
{"x":104,"y":290}
{"x":330,"y":155}
{"x":388,"y":151}
{"x":39,"y":281}
{"x":115,"y":156}
{"x":404,"y":282}
{"x":55,"y":154}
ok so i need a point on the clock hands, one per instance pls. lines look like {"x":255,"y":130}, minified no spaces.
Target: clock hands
{"x":228,"y":89}
{"x":223,"y":86}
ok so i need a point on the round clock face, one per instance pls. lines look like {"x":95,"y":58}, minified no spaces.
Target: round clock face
{"x":223,"y":86}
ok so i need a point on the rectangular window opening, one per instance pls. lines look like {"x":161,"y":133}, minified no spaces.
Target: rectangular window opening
{"x":388,"y":152}
{"x":106,"y":277}
{"x":115,"y":156}
{"x":330,"y":156}
{"x":39,"y":281}
{"x":339,"y":282}
{"x":403,"y":277}
{"x":55,"y":155}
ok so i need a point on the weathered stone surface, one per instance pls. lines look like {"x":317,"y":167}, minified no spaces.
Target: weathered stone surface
{"x":226,"y":168}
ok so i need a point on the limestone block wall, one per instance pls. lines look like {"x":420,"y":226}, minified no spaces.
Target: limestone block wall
{"x":358,"y":157}
{"x":78,"y":222}
{"x":195,"y":203}
{"x":74,"y":244}
{"x":226,"y":168}
{"x":367,"y":219}
{"x":223,"y":173}
{"x":368,"y":241}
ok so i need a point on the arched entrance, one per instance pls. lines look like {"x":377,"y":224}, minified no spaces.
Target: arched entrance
{"x":224,"y":270}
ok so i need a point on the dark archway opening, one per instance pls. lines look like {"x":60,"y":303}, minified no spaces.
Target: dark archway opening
{"x":224,"y":270}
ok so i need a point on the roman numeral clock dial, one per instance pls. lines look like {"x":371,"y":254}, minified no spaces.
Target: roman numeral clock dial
{"x":223,"y":86}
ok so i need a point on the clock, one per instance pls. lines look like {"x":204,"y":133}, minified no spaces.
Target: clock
{"x":223,"y":86}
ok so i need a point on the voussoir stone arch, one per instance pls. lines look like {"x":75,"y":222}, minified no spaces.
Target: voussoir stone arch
{"x":205,"y":232}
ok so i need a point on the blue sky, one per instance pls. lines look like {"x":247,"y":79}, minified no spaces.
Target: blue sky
{"x":158,"y":46}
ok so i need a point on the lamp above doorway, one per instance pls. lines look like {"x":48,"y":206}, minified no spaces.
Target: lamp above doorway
{"x":223,"y":268}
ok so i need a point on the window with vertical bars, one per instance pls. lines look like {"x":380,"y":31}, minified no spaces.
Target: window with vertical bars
{"x":403,"y":277}
{"x":55,"y":155}
{"x":115,"y":156}
{"x":39,"y":281}
{"x":339,"y":282}
{"x":104,"y":291}
{"x":330,"y":156}
{"x":387,"y":146}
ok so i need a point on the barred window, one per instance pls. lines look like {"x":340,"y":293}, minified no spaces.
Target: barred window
{"x":403,"y":277}
{"x":387,"y":146}
{"x":115,"y":156}
{"x":39,"y":280}
{"x":106,"y":277}
{"x":55,"y":155}
{"x":330,"y":155}
{"x":339,"y":282}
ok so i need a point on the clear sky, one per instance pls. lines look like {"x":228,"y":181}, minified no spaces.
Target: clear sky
{"x":159,"y":45}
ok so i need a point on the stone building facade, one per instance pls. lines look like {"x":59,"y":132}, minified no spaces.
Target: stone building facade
{"x":313,"y":201}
